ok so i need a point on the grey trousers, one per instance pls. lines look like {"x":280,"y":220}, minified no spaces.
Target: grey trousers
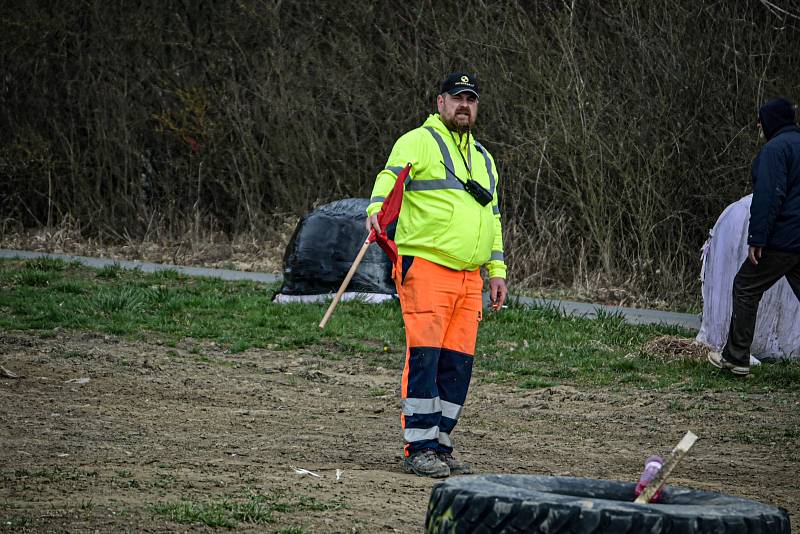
{"x":749,"y":285}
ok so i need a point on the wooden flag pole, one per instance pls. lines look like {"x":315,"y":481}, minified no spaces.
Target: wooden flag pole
{"x":678,"y":453}
{"x":346,"y":281}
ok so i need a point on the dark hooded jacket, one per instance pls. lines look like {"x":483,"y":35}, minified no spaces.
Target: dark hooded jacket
{"x":775,"y":209}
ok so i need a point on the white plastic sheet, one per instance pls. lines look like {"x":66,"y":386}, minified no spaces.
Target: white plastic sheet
{"x":777,"y":332}
{"x":370,"y":298}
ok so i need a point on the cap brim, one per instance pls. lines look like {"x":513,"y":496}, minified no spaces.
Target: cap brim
{"x":458,"y":90}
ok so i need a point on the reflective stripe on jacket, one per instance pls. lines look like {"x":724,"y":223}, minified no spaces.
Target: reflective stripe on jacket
{"x":439,"y":220}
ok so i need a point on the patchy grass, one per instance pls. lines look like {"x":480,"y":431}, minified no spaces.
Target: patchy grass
{"x":527,"y":347}
{"x":15,"y":522}
{"x":229,"y":511}
{"x":785,"y":437}
{"x":44,"y":475}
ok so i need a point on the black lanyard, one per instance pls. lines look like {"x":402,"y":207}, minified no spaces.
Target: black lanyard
{"x":458,"y":149}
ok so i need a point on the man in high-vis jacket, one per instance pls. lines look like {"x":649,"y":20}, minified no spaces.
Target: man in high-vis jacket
{"x":448,"y":228}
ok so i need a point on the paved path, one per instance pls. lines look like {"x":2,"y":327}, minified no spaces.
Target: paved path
{"x":631,"y":315}
{"x":98,"y":263}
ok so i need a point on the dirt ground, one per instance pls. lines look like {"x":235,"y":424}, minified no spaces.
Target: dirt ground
{"x":157,"y":424}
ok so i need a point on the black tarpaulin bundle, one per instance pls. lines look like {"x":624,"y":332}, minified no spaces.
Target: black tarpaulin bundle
{"x":323,"y":248}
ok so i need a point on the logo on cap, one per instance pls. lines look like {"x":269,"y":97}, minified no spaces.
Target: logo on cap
{"x":465,"y":79}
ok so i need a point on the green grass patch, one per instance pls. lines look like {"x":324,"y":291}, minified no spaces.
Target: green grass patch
{"x":64,"y":352}
{"x":535,"y":383}
{"x":15,"y":522}
{"x":34,"y":277}
{"x":168,"y":274}
{"x":46,"y":264}
{"x":525,"y":347}
{"x":68,"y":287}
{"x":164,"y":480}
{"x":229,"y":511}
{"x":47,"y":475}
{"x":110,"y":271}
{"x":786,"y":437}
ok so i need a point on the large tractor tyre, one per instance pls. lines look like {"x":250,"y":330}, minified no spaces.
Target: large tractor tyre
{"x":561,"y":505}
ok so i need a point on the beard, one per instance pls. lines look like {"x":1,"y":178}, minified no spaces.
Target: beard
{"x":458,"y":126}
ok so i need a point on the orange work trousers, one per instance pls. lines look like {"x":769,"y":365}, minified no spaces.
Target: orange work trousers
{"x":441,"y":311}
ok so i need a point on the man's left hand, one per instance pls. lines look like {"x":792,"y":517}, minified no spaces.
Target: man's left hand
{"x":754,"y":254}
{"x":497,"y":292}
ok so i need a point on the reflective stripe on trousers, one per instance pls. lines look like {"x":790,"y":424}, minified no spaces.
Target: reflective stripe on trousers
{"x":441,"y":311}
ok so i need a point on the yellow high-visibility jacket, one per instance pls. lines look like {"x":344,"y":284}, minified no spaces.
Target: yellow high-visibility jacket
{"x":439,"y":220}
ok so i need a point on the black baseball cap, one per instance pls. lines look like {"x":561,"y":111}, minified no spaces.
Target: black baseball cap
{"x":458,"y":82}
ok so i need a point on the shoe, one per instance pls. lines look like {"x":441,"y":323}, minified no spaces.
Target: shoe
{"x":456,"y":467}
{"x":425,"y":463}
{"x":716,"y":359}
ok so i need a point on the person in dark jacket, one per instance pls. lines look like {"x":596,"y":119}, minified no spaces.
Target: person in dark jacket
{"x":774,"y":231}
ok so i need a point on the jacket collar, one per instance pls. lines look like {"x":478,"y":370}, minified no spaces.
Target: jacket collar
{"x":435,"y":122}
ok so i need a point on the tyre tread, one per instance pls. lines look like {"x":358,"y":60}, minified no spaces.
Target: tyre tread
{"x":525,"y":503}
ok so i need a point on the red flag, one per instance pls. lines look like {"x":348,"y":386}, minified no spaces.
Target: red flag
{"x":388,"y":214}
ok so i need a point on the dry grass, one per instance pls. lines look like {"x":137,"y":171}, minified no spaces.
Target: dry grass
{"x":667,"y":348}
{"x":245,"y":251}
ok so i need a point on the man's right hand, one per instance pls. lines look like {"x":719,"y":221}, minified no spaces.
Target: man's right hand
{"x":372,"y":222}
